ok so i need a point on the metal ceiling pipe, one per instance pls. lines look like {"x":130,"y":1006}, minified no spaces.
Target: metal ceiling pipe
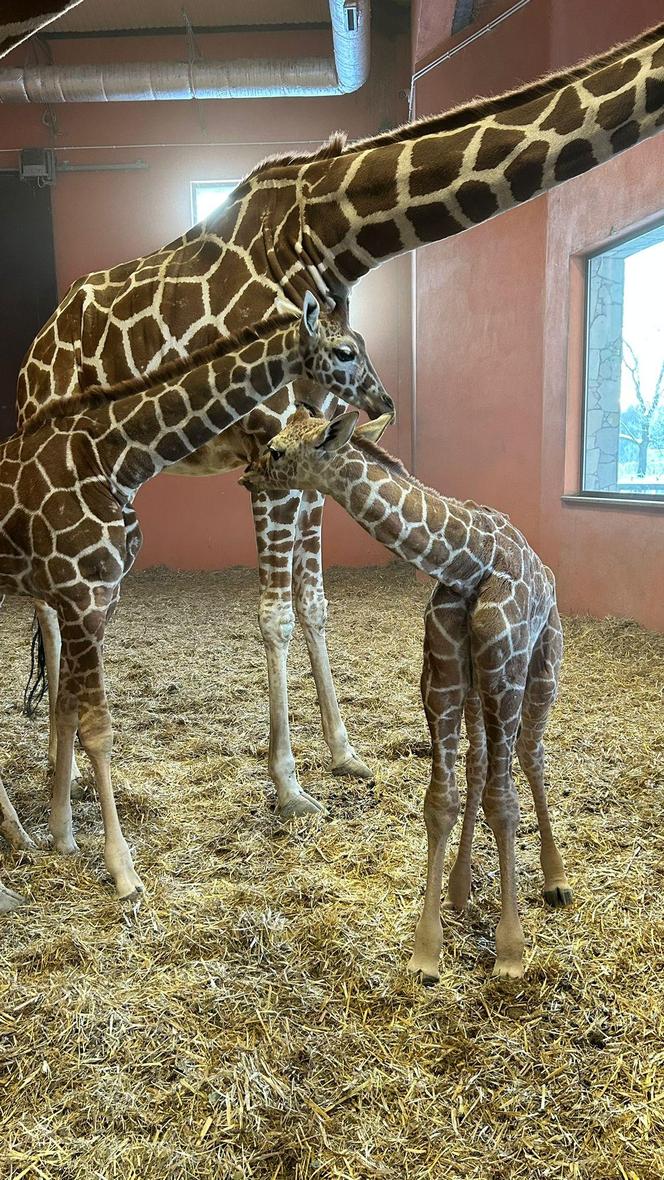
{"x":169,"y":80}
{"x":173,"y":80}
{"x":351,"y":24}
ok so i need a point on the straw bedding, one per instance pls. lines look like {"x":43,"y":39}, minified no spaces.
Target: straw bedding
{"x":255,"y":1019}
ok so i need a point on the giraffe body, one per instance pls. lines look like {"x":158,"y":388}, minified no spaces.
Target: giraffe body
{"x":318,"y":222}
{"x":68,"y":532}
{"x":493,"y":645}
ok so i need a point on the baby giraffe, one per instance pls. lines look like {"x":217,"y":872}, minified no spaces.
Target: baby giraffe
{"x":68,"y":532}
{"x":493,"y":645}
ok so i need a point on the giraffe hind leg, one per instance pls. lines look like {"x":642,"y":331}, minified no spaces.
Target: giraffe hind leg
{"x":539,"y":696}
{"x":13,"y":831}
{"x":49,"y":628}
{"x":444,"y":685}
{"x":459,"y":883}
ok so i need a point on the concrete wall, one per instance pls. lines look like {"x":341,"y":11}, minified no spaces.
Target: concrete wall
{"x":499,"y":318}
{"x":101,"y":218}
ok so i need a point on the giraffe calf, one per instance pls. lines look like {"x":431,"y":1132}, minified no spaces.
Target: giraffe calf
{"x":492,"y":648}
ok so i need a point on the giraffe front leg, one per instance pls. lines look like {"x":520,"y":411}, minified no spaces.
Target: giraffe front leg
{"x":10,"y":825}
{"x":50,"y":633}
{"x":311,"y":607}
{"x":274,"y":519}
{"x":444,"y":686}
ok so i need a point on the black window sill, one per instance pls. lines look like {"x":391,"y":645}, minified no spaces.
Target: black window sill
{"x":652,"y":503}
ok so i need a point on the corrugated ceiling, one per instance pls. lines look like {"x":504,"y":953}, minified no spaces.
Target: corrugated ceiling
{"x":102,"y":16}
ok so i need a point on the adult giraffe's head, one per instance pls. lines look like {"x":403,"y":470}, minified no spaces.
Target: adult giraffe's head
{"x":335,"y":358}
{"x":306,"y":452}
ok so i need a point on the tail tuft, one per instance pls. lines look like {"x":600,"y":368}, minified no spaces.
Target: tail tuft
{"x":37,"y":684}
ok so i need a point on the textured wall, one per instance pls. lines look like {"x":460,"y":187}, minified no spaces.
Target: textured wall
{"x":101,"y":218}
{"x":500,"y":313}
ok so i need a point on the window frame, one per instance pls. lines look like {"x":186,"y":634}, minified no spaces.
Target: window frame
{"x":597,"y":496}
{"x":198,"y":185}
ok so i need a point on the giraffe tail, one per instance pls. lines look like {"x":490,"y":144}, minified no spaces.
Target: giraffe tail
{"x":37,"y":680}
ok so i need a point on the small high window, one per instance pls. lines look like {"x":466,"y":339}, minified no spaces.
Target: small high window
{"x":623,"y":447}
{"x":208,"y":195}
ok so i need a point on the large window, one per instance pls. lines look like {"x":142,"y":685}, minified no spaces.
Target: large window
{"x":208,"y":195}
{"x":623,"y":449}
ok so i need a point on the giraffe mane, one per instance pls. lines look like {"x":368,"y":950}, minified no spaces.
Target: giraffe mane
{"x":99,"y":395}
{"x":373,"y":451}
{"x":334,"y":146}
{"x":457,"y":117}
{"x":394,"y":466}
{"x":480,"y":108}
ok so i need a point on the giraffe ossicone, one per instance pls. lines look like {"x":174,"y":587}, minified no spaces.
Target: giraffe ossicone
{"x":68,"y":532}
{"x":492,"y":650}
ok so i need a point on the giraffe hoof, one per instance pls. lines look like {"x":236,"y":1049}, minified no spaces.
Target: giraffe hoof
{"x":129,"y":888}
{"x":301,"y":804}
{"x":426,"y":980}
{"x":454,"y":904}
{"x":9,"y":900}
{"x":458,"y":895}
{"x":424,"y":970}
{"x":354,"y":767}
{"x":65,"y":845}
{"x":508,"y":969}
{"x":17,"y":837}
{"x":559,"y":896}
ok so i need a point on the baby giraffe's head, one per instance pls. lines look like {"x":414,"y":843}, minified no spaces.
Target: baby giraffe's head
{"x":335,"y":358}
{"x":306,"y":452}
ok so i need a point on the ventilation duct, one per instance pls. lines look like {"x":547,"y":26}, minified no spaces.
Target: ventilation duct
{"x":149,"y":81}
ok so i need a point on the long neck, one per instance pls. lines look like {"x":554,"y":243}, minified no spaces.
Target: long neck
{"x":446,"y":174}
{"x":429,"y":531}
{"x":138,"y":435}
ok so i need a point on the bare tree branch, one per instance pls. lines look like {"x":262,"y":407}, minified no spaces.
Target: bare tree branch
{"x":633,"y":370}
{"x":659,"y":389}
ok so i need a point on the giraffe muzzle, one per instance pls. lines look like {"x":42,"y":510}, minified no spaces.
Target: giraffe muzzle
{"x":383,"y":404}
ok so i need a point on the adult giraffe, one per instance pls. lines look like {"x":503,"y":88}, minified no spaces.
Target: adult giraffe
{"x":320,"y":222}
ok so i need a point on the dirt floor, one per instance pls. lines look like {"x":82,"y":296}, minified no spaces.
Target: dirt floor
{"x":255,"y":1018}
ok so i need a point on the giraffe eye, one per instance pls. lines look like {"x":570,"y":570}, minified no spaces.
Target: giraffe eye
{"x":275,"y":453}
{"x":343,"y":353}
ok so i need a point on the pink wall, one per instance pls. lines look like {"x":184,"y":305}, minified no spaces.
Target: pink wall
{"x":499,"y":320}
{"x":101,"y":218}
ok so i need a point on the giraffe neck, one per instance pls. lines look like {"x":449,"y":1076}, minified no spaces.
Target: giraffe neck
{"x":138,"y":434}
{"x":424,"y":528}
{"x":437,"y":177}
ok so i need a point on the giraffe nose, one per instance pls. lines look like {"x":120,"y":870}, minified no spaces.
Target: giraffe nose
{"x":384,"y":405}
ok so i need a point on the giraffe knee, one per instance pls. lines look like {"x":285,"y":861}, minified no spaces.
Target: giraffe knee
{"x":501,"y":811}
{"x":276,"y":621}
{"x":96,"y":733}
{"x":441,"y":810}
{"x":312,"y":610}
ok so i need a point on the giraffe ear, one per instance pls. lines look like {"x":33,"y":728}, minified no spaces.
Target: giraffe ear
{"x":338,"y":431}
{"x":310,"y":314}
{"x":374,"y":431}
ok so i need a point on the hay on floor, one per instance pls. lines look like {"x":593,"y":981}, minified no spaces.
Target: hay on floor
{"x":255,"y":1019}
